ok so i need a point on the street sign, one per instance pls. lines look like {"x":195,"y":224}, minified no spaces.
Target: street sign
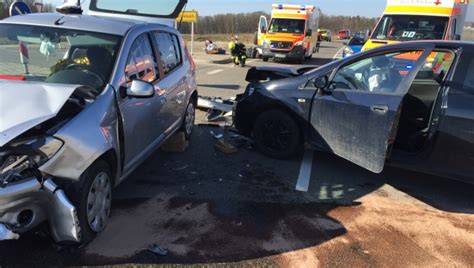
{"x":188,"y":16}
{"x":19,"y":8}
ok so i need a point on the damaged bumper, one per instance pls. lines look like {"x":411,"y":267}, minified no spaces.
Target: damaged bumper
{"x":27,"y":203}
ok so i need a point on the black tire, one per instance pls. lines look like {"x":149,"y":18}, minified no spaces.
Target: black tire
{"x":190,"y":108}
{"x":78,"y":194}
{"x":277,"y":134}
{"x":265,"y":59}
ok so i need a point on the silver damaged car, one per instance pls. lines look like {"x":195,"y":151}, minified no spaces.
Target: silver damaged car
{"x":83,"y":101}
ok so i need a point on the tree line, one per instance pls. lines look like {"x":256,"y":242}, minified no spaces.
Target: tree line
{"x":238,"y":23}
{"x":5,"y":7}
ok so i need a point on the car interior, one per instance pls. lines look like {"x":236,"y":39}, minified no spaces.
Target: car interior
{"x":418,"y":105}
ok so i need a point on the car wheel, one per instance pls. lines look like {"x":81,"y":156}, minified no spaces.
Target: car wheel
{"x":265,"y":59}
{"x":92,"y":197}
{"x":188,"y":120}
{"x":277,"y":134}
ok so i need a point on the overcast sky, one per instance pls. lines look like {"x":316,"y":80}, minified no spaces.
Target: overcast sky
{"x":368,"y":8}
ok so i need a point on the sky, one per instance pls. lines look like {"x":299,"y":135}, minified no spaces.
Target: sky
{"x":367,"y":8}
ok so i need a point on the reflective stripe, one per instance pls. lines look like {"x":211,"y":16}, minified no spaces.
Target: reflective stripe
{"x":447,"y":11}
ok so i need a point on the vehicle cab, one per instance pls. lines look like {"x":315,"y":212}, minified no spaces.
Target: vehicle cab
{"x":419,"y":20}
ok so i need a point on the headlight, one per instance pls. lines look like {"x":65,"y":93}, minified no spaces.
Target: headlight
{"x":266,"y":43}
{"x":20,"y":160}
{"x":300,"y":43}
{"x":45,"y":147}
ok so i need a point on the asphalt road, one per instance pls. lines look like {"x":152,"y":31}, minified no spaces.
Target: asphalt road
{"x":212,"y":208}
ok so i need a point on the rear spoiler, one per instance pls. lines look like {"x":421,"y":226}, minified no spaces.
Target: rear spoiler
{"x":267,"y":73}
{"x":134,"y":12}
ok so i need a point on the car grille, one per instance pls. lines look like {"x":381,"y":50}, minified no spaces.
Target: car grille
{"x":281,"y":45}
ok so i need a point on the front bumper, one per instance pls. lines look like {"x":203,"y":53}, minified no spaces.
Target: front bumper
{"x":294,"y":54}
{"x":26,"y":204}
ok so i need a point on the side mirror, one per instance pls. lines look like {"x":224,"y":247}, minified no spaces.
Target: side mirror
{"x":141,"y":89}
{"x":309,"y":32}
{"x":321,"y":82}
{"x":263,"y":30}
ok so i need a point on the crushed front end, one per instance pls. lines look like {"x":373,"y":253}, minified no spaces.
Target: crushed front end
{"x":29,"y":197}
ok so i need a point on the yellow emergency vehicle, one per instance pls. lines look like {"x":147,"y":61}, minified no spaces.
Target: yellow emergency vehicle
{"x":291,"y":33}
{"x":409,"y":20}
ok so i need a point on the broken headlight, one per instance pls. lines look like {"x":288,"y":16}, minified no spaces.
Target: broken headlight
{"x":21,"y":159}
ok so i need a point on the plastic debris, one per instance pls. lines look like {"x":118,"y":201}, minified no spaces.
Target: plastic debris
{"x":155,"y":248}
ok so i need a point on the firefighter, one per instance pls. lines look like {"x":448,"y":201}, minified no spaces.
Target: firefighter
{"x":232,"y":44}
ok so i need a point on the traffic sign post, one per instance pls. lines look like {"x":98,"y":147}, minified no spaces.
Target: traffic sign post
{"x":192,"y":17}
{"x":19,"y":8}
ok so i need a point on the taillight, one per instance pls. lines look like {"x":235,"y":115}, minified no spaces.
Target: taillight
{"x":12,"y":77}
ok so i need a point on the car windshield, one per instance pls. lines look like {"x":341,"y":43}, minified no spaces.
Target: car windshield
{"x":51,"y":55}
{"x":287,"y":26}
{"x":356,"y":42}
{"x":406,"y":28}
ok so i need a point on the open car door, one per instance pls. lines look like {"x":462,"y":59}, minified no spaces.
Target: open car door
{"x":262,"y":29}
{"x":148,"y":10}
{"x":357,"y":115}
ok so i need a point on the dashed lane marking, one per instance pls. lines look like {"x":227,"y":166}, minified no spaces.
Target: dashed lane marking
{"x":215,"y":72}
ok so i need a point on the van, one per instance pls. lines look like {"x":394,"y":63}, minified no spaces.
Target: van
{"x":409,"y":20}
{"x":291,"y":33}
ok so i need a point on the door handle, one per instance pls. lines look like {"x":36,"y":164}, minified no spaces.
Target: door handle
{"x":379,"y":109}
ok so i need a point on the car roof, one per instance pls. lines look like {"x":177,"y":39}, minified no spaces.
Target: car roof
{"x":99,"y":24}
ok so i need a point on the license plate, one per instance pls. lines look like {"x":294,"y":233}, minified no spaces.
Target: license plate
{"x":280,"y":56}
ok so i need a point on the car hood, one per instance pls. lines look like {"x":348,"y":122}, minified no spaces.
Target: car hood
{"x":24,"y":105}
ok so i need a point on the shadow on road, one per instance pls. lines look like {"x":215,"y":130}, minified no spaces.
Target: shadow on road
{"x":207,"y":207}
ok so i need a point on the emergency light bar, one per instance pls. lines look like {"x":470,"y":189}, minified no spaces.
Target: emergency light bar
{"x":293,"y":7}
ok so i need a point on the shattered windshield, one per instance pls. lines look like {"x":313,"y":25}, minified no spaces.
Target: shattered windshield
{"x":287,"y":26}
{"x":406,"y":28}
{"x":43,"y":54}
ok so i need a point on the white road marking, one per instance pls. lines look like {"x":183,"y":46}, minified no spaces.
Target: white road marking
{"x":304,"y":177}
{"x":338,"y":54}
{"x":215,"y":72}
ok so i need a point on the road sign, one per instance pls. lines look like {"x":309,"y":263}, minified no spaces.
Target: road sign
{"x":188,"y":16}
{"x":19,"y":8}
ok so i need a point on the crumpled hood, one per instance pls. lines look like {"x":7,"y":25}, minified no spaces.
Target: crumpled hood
{"x":24,"y":105}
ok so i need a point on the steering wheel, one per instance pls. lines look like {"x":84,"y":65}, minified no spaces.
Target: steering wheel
{"x":79,"y":67}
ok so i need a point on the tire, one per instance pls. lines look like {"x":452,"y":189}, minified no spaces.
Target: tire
{"x":188,"y":120}
{"x":265,"y":59}
{"x":301,"y":61}
{"x":277,"y":134}
{"x":242,"y":63}
{"x":93,"y":215}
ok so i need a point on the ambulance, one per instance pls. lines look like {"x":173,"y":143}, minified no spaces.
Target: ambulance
{"x":409,"y":20}
{"x":291,"y":33}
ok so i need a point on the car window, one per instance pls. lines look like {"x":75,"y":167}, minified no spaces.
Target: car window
{"x":169,"y":51}
{"x":436,"y":66}
{"x":177,"y":48}
{"x":465,"y":72}
{"x":141,"y":64}
{"x":379,"y":73}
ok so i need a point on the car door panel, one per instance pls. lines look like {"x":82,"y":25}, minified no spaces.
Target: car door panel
{"x":358,"y":124}
{"x":173,"y":84}
{"x":141,"y":120}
